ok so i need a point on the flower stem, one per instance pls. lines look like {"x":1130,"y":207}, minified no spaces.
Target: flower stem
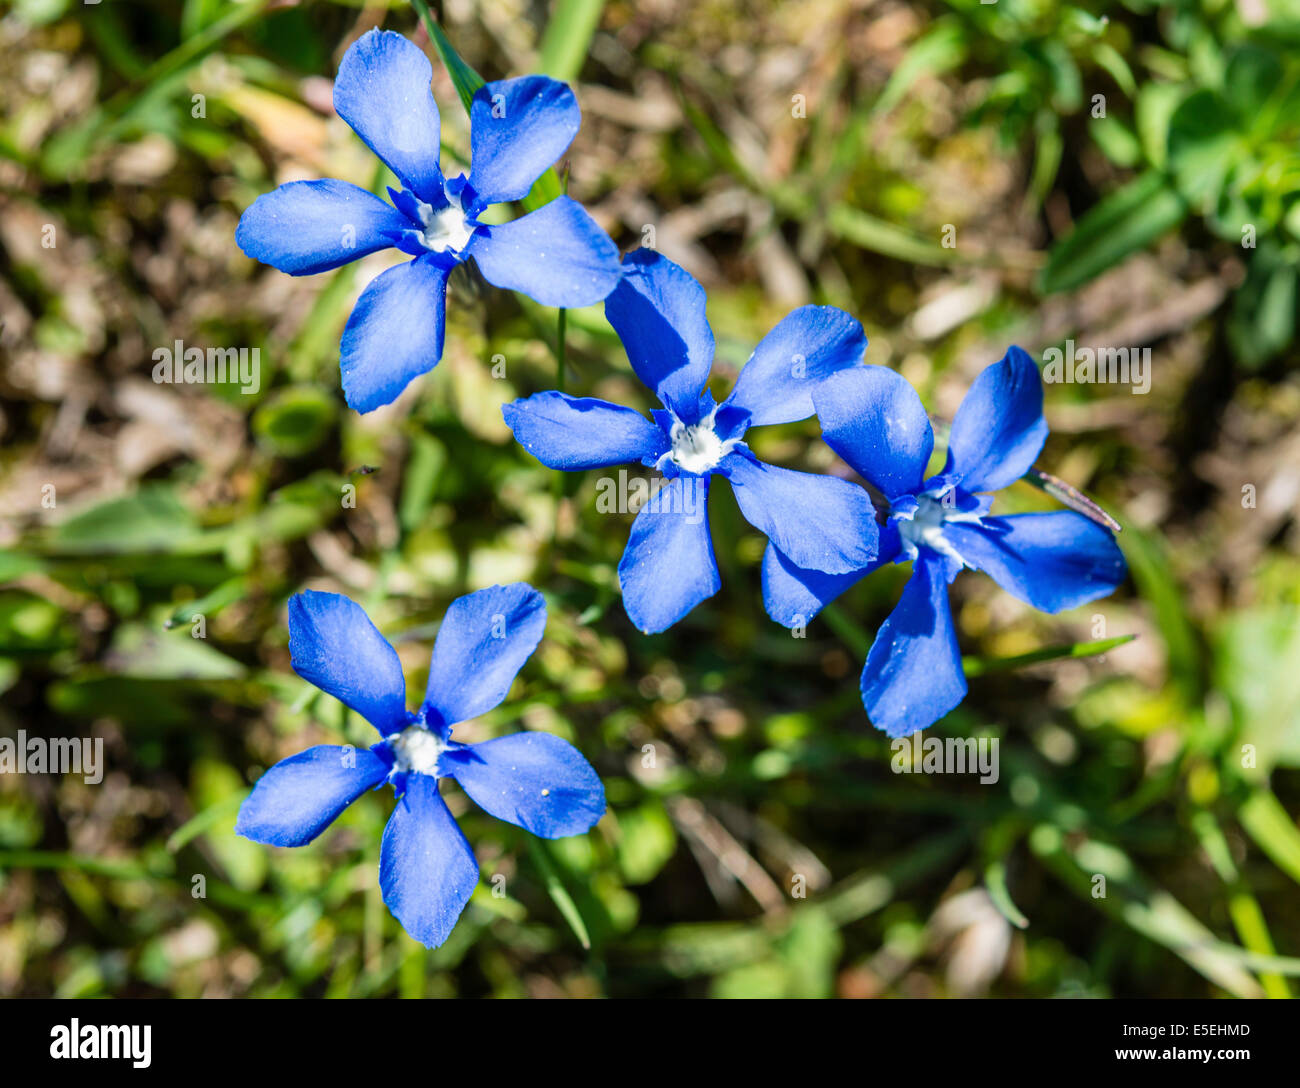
{"x":847,"y":629}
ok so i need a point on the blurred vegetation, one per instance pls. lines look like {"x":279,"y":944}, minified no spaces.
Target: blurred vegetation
{"x":785,"y":153}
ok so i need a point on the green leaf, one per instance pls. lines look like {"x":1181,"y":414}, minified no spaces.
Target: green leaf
{"x":143,"y":653}
{"x":1154,"y":107}
{"x":1204,"y":148}
{"x":1109,"y":58}
{"x":879,"y":236}
{"x":647,"y":839}
{"x":210,"y":817}
{"x":228,"y":592}
{"x":557,"y":891}
{"x":1148,"y":564}
{"x":978,"y":666}
{"x":940,"y":49}
{"x":151,"y":520}
{"x":463,"y":77}
{"x":1124,"y":222}
{"x":568,"y":37}
{"x":213,"y":783}
{"x":1148,"y":910}
{"x":1255,"y":652}
{"x":995,"y":880}
{"x":424,"y":466}
{"x":294,"y":421}
{"x":1263,"y":319}
{"x":1116,"y":140}
{"x":467,"y":83}
{"x":1254,"y":74}
{"x":1273,"y":830}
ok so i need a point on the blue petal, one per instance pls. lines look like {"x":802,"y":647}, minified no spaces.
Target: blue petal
{"x":518,"y":127}
{"x":999,"y":428}
{"x":394,"y":333}
{"x":333,"y":644}
{"x":535,"y":780}
{"x":668,"y":566}
{"x":484,"y":640}
{"x":807,"y":346}
{"x":427,"y":870}
{"x":557,"y":255}
{"x":793,"y":595}
{"x":300,"y":796}
{"x":819,"y":522}
{"x":382,"y":91}
{"x":306,"y":227}
{"x":657,"y":309}
{"x":573,"y":433}
{"x":1052,"y":561}
{"x":872,"y":417}
{"x":913,"y":675}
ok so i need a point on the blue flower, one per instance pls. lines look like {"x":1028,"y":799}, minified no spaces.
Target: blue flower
{"x":873,"y":419}
{"x":427,"y":869}
{"x":518,"y":128}
{"x":668,"y":567}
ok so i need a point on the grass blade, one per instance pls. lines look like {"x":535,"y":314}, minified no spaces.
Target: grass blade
{"x":568,"y":37}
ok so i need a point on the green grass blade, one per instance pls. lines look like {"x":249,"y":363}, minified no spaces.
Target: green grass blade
{"x":463,"y":77}
{"x":1273,"y":830}
{"x":1126,"y":221}
{"x":558,"y":893}
{"x":205,"y":820}
{"x":568,"y":37}
{"x":978,"y":666}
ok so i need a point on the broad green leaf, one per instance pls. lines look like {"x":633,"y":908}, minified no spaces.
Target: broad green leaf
{"x":1204,"y":148}
{"x":646,"y":840}
{"x":1255,"y":655}
{"x":144,"y":653}
{"x":295,"y":420}
{"x":153,"y":519}
{"x":212,"y":783}
{"x":1116,"y":140}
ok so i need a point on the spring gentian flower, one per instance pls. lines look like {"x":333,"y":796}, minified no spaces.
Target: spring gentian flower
{"x":668,"y":567}
{"x":873,"y":419}
{"x":518,"y":128}
{"x":426,"y":867}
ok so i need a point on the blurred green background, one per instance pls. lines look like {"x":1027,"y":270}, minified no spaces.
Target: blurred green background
{"x":944,"y":171}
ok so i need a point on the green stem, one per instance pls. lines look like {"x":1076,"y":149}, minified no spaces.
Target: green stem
{"x":848,"y":630}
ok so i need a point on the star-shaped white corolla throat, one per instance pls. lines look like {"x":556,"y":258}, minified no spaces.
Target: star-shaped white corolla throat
{"x":416,"y":750}
{"x":925,"y":527}
{"x":447,"y":229}
{"x":696,"y":447}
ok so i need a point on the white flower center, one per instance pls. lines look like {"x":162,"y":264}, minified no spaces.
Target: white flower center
{"x":696,"y":447}
{"x":416,"y":749}
{"x":925,"y":527}
{"x":445,"y":230}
